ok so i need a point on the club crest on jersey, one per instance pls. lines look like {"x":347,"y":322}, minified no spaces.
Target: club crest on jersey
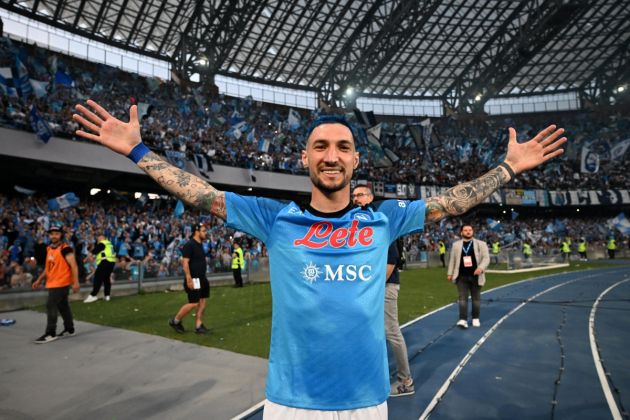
{"x":321,"y":234}
{"x":361,"y":216}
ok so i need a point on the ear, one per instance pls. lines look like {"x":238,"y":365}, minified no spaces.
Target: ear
{"x":356,"y":160}
{"x":304,"y":159}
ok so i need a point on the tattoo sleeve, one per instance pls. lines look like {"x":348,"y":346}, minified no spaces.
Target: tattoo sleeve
{"x":190,"y":189}
{"x":463,"y":197}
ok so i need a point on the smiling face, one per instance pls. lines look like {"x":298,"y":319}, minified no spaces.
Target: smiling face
{"x":330,"y":157}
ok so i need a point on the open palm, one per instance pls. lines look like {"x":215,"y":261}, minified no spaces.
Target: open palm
{"x":103,"y":128}
{"x":544,"y":146}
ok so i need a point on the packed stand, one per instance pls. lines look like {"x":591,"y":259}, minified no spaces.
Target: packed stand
{"x":251,"y":134}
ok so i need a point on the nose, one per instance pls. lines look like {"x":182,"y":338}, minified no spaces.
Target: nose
{"x":331,"y":155}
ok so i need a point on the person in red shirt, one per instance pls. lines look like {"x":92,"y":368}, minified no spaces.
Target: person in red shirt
{"x":60,"y":273}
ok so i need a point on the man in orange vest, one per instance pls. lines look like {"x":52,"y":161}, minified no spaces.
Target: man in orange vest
{"x":61,"y":272}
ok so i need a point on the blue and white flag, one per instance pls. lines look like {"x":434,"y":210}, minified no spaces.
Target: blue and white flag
{"x":63,"y":201}
{"x":22,"y":79}
{"x":179,"y":209}
{"x":493,"y":224}
{"x":6,"y":82}
{"x":251,"y":137}
{"x":621,"y":223}
{"x":377,"y":154}
{"x":63,"y":79}
{"x":235,"y":118}
{"x":40,"y":126}
{"x":263,"y":145}
{"x":40,"y":89}
{"x":618,"y":151}
{"x":23,"y":190}
{"x":176,"y":158}
{"x":294,"y":121}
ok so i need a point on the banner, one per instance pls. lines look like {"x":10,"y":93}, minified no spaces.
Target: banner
{"x":619,"y":150}
{"x":590,"y":161}
{"x":39,"y":125}
{"x":63,"y":201}
{"x":377,"y":154}
{"x":589,"y":198}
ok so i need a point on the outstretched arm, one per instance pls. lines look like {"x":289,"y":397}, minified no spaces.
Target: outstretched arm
{"x":124,"y":137}
{"x":520,"y":158}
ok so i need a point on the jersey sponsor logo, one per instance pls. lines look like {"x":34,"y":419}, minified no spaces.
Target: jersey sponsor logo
{"x":321,"y":234}
{"x":336,"y":273}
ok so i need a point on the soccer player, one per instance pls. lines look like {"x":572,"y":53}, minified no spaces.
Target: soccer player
{"x":327,"y":258}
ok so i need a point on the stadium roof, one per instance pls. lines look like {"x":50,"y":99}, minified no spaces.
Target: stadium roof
{"x":464,"y":52}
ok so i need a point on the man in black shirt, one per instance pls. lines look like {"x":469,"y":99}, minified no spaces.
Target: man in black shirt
{"x":195,"y":282}
{"x":466,"y":267}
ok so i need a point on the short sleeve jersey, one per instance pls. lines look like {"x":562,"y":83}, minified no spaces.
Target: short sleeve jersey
{"x":193,"y":250}
{"x":328,"y":348}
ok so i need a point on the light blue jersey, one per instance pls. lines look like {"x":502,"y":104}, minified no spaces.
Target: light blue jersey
{"x":327,"y":280}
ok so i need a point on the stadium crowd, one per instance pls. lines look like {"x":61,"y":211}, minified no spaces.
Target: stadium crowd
{"x":149,"y":235}
{"x":251,"y":134}
{"x":145,"y":235}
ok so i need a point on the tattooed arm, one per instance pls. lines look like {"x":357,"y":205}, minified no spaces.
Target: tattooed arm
{"x":520,"y":157}
{"x":190,"y":189}
{"x":123,"y":137}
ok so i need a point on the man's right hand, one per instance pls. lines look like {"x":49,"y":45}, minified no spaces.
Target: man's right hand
{"x":450,"y":278}
{"x":36,"y":284}
{"x":189,"y":283}
{"x":102,"y":128}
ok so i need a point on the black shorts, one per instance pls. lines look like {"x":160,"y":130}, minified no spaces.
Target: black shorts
{"x":194,"y":295}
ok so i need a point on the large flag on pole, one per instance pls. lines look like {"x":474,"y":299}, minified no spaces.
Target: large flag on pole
{"x":40,"y":126}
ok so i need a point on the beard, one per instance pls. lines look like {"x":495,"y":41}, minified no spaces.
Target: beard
{"x":330,"y":187}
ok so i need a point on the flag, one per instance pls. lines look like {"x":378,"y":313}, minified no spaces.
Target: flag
{"x":203,"y":163}
{"x":366,"y":119}
{"x":22,"y":79}
{"x":493,"y":224}
{"x":515,"y":215}
{"x":6,"y":82}
{"x":40,"y":89}
{"x":63,"y":201}
{"x":619,"y":150}
{"x":142,"y":200}
{"x":215,"y":107}
{"x":40,"y":126}
{"x":176,"y":158}
{"x":144,"y":110}
{"x":377,"y":153}
{"x":23,"y":190}
{"x":294,"y":121}
{"x":251,"y":137}
{"x":235,"y":118}
{"x":263,"y":145}
{"x":63,"y":79}
{"x":179,"y":209}
{"x":391,"y":155}
{"x":621,"y":223}
{"x":590,"y":161}
{"x":198,"y":96}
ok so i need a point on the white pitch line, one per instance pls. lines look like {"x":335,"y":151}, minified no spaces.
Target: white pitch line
{"x":249,"y":411}
{"x":438,"y":396}
{"x":610,"y":399}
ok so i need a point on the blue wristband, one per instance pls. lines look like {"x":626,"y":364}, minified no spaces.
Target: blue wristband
{"x":138,"y":152}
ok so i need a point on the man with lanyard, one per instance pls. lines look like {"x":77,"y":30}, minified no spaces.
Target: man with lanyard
{"x":60,"y":273}
{"x":363,"y":196}
{"x":442,"y":251}
{"x":237,"y":264}
{"x":466,"y":267}
{"x":328,"y":352}
{"x":196,"y":283}
{"x":105,"y":261}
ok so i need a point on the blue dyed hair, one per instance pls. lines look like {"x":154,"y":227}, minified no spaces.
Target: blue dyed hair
{"x":331,"y":119}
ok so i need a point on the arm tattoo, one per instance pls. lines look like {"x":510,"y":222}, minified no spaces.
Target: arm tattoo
{"x":189,"y":188}
{"x":463,"y":197}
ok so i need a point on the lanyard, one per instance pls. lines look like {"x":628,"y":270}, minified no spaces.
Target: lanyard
{"x":466,"y":249}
